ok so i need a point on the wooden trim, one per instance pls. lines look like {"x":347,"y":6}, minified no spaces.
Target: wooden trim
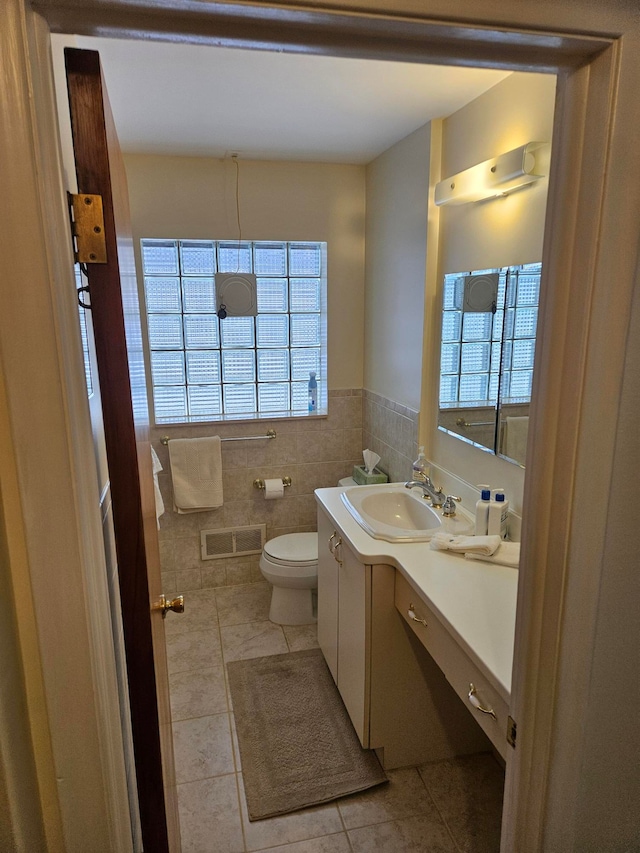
{"x":572,"y":237}
{"x":99,"y":171}
{"x":338,"y":32}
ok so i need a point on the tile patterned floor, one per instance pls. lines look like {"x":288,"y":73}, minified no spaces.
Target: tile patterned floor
{"x":445,"y":807}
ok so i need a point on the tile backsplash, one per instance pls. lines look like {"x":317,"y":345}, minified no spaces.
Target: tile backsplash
{"x":391,"y":431}
{"x":314,"y":452}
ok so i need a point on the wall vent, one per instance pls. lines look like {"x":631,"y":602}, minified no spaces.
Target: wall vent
{"x":232,"y":541}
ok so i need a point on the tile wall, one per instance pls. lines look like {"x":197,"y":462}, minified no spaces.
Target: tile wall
{"x":314,"y":452}
{"x":391,"y":431}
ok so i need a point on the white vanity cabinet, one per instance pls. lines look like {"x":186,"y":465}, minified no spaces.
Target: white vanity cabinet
{"x":327,"y":593}
{"x":344,"y":624}
{"x":398,"y":699}
{"x":486,"y":705}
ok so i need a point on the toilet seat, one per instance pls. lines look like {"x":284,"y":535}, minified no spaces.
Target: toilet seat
{"x":293,"y":550}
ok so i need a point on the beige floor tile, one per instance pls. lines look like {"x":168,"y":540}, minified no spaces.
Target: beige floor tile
{"x":193,"y":650}
{"x":202,"y":748}
{"x":301,"y":637}
{"x":200,"y":613}
{"x":210,"y":817}
{"x":468,"y":792}
{"x":302,"y":825}
{"x":252,"y":640}
{"x":327,"y":844}
{"x":244,"y":603}
{"x":404,"y":796}
{"x":412,"y":835}
{"x":198,"y":693}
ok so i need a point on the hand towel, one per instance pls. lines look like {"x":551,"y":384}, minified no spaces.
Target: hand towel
{"x":515,"y":438}
{"x":157,"y":467}
{"x":508,"y":554}
{"x":196,"y":471}
{"x":465,"y":544}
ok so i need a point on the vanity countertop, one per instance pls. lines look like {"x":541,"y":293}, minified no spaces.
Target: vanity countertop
{"x":475,"y":601}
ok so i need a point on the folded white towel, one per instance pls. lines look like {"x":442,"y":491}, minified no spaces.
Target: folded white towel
{"x":508,"y":554}
{"x":465,"y":544}
{"x":157,"y":467}
{"x":196,"y":471}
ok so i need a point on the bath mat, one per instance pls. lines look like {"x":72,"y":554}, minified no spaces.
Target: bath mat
{"x":297,"y":744}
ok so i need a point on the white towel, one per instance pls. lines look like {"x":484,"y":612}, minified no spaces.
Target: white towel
{"x":516,"y":431}
{"x":486,"y":545}
{"x":196,"y":471}
{"x":508,"y":554}
{"x":157,"y":467}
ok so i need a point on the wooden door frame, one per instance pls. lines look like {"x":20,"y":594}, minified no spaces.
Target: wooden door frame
{"x":600,"y":211}
{"x":113,"y":288}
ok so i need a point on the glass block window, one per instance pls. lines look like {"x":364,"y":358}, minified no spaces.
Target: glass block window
{"x":486,"y":355}
{"x":203,"y":368}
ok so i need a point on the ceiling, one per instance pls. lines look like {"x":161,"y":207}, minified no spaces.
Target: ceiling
{"x":202,"y":101}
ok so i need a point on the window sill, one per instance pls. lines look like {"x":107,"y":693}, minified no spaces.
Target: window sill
{"x":252,"y":417}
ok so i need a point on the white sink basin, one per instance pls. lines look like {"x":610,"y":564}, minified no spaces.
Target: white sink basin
{"x":392,"y":512}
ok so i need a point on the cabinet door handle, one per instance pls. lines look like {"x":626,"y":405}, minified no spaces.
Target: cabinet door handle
{"x":331,"y":538}
{"x":473,"y":698}
{"x":335,"y":549}
{"x":412,"y":615}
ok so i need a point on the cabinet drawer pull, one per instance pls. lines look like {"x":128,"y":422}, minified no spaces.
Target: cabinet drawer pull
{"x":335,"y":552}
{"x":473,"y":698}
{"x":412,"y":615}
{"x":331,"y":538}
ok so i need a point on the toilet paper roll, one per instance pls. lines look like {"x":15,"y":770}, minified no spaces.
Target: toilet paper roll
{"x":273,"y":489}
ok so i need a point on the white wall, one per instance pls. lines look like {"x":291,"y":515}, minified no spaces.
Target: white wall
{"x":193,"y":197}
{"x":503,"y":231}
{"x":497,"y":232}
{"x":396,"y":249}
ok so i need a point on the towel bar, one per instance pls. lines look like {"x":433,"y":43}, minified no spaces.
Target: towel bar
{"x":271,"y":433}
{"x":462,"y":423}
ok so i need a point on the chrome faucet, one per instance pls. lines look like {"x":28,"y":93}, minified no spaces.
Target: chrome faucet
{"x":436,"y":495}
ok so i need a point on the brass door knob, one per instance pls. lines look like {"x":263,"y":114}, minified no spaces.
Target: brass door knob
{"x":176,"y":604}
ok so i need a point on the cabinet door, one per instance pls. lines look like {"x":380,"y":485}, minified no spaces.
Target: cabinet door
{"x":327,"y":594}
{"x":354,"y":639}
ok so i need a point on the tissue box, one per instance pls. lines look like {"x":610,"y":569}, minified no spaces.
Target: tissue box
{"x":363,"y":479}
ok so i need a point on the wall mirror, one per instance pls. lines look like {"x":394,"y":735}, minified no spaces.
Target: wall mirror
{"x":489,"y":320}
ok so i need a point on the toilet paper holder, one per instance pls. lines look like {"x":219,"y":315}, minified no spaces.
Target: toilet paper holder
{"x":259,"y":484}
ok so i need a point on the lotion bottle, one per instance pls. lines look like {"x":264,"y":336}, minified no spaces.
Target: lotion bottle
{"x":482,"y":511}
{"x":504,"y":515}
{"x":498,"y":515}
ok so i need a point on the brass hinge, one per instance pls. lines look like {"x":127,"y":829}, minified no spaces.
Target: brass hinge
{"x":87,"y":228}
{"x":511,"y":731}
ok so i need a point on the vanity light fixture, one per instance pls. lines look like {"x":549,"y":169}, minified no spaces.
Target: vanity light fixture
{"x":496,"y":177}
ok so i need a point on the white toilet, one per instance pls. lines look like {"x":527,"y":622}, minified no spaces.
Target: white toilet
{"x":290,"y":564}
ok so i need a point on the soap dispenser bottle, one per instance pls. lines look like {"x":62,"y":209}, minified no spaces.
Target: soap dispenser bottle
{"x":420,"y":468}
{"x":498,"y":515}
{"x":482,"y":511}
{"x":313,"y":393}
